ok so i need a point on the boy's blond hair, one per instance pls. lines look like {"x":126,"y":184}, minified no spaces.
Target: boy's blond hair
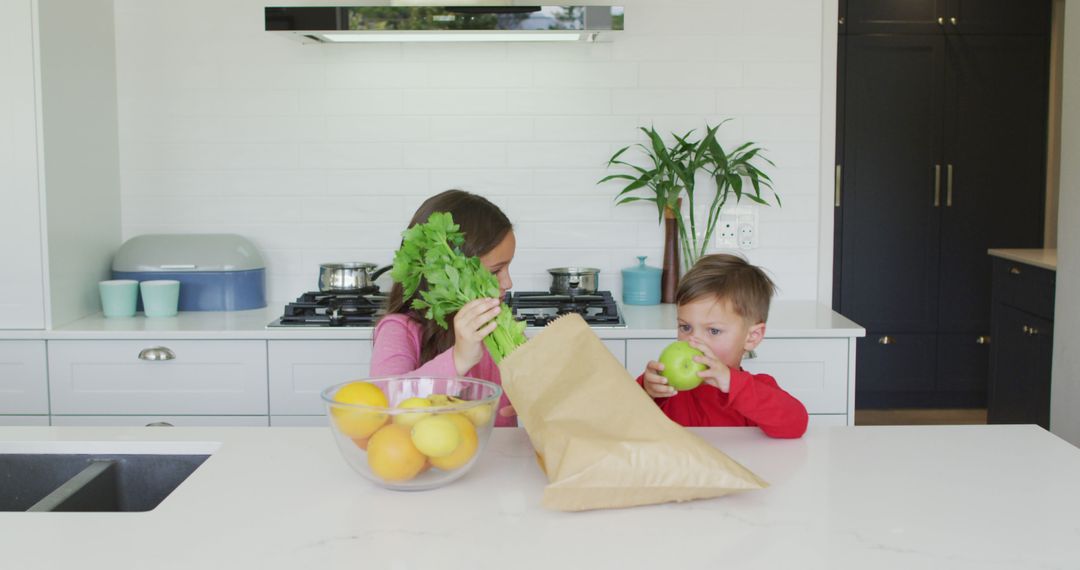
{"x":729,"y":278}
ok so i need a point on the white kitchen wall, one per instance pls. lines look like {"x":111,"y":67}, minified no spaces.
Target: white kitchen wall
{"x":322,"y":152}
{"x":1065,"y":385}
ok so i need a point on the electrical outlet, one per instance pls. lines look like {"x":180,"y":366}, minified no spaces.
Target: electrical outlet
{"x":747,"y":236}
{"x":726,"y":231}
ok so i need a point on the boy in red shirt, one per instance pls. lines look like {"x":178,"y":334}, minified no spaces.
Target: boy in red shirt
{"x":723,"y":302}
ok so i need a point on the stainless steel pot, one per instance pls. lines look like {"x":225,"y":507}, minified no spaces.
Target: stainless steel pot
{"x":574,"y":280}
{"x":350,"y":276}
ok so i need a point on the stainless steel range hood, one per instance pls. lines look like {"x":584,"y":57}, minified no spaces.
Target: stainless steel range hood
{"x":339,"y":24}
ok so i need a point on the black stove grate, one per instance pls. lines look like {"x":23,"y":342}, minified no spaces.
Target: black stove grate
{"x":538,"y":308}
{"x":334,"y":309}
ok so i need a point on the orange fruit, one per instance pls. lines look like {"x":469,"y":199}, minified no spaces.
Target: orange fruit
{"x":361,"y":442}
{"x":358,"y":423}
{"x":465,"y":450}
{"x":392,"y":455}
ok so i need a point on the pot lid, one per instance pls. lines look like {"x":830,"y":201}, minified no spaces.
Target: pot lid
{"x":573,"y":270}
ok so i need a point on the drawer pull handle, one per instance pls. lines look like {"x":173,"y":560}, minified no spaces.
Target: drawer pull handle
{"x":749,"y":355}
{"x":156,"y":353}
{"x":1030,"y":331}
{"x":982,"y":340}
{"x":159,"y":424}
{"x":886,"y":340}
{"x":1014,"y":271}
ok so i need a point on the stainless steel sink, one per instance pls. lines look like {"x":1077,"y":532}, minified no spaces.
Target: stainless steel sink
{"x":71,"y":482}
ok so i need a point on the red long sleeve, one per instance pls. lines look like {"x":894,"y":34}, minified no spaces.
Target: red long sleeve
{"x":753,"y":400}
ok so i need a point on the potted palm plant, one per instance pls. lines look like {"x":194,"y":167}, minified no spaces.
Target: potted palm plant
{"x":669,"y":176}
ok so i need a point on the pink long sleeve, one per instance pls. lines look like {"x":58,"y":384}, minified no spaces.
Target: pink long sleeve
{"x":397,"y":352}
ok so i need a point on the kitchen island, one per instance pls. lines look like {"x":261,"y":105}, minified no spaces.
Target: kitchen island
{"x":953,"y":497}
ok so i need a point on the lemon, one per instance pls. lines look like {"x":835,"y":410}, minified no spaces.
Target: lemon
{"x":392,"y":455}
{"x":439,"y":399}
{"x":436,"y":436}
{"x":356,"y":423}
{"x":465,"y":450}
{"x":409,"y":420}
{"x":479,"y":415}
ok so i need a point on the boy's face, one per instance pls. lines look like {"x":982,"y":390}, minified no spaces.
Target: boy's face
{"x":714,"y":323}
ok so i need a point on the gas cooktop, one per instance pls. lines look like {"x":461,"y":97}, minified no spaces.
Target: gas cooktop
{"x":539,"y":308}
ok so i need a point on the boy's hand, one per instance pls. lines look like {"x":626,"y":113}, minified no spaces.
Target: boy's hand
{"x":717,"y":374}
{"x":656,"y":385}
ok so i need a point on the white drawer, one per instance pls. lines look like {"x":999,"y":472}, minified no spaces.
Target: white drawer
{"x":298,"y":421}
{"x":23,"y":381}
{"x":204,"y":378}
{"x":178,"y":421}
{"x":301,"y":369}
{"x":814,"y":370}
{"x":24,"y":420}
{"x":828,"y":419}
{"x":618,"y":348}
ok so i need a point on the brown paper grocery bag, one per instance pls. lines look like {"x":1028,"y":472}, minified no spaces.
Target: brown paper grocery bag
{"x":601,"y":440}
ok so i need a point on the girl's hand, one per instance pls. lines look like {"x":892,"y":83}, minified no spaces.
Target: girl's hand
{"x":717,"y":374}
{"x":655,"y":385}
{"x":507,"y":412}
{"x":472,"y":323}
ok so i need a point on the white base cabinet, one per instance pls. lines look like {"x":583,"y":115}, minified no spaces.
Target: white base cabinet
{"x":90,"y":377}
{"x":817,"y":371}
{"x":24,"y":420}
{"x":301,"y":369}
{"x":24,"y":386}
{"x":161,"y":421}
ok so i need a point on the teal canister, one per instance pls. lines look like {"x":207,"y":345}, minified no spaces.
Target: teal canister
{"x":641,"y":284}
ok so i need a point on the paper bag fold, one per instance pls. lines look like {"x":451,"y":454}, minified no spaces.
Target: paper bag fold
{"x":602,"y":442}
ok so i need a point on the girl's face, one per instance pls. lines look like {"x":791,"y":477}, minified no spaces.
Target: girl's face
{"x":714,"y":323}
{"x":498,"y":261}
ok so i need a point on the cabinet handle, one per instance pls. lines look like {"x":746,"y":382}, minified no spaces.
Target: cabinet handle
{"x":1014,"y":270}
{"x":836,"y":187}
{"x":156,"y":353}
{"x":841,"y":21}
{"x":937,"y":185}
{"x":941,"y":21}
{"x":159,"y":424}
{"x":954,"y":21}
{"x":948,"y":186}
{"x":1031,"y":331}
{"x":886,"y":340}
{"x":982,"y":340}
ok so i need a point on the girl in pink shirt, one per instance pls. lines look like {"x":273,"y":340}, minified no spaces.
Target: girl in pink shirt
{"x":408,"y":343}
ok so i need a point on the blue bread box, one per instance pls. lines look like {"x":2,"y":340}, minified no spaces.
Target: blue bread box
{"x":217,"y":272}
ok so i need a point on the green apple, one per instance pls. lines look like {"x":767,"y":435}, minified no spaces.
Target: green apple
{"x":679,"y":367}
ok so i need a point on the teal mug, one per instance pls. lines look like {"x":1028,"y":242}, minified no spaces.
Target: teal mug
{"x":118,"y":297}
{"x":161,"y":297}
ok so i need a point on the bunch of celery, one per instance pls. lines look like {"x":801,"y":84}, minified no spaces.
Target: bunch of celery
{"x":431,"y":251}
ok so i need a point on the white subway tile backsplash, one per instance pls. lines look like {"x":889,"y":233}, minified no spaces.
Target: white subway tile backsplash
{"x":375,"y":75}
{"x":373,"y":128}
{"x":454,"y":155}
{"x":545,"y":102}
{"x":376,"y":183}
{"x":453,"y":101}
{"x":498,"y":185}
{"x":656,"y":101}
{"x":556,"y":155}
{"x":574,"y":74}
{"x":478,"y":75}
{"x":481,"y":128}
{"x":323,"y":152}
{"x":350,"y":155}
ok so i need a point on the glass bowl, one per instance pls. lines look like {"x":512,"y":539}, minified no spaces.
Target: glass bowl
{"x":412,"y":433}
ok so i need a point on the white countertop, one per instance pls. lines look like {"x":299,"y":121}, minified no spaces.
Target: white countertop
{"x":1045,"y":258}
{"x":950,"y":497}
{"x":787,"y":319}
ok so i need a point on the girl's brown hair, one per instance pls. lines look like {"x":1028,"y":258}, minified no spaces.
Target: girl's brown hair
{"x":730,"y":278}
{"x":484,"y":226}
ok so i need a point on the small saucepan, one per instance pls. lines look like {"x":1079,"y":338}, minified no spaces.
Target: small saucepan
{"x":350,"y":276}
{"x":574,"y":280}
